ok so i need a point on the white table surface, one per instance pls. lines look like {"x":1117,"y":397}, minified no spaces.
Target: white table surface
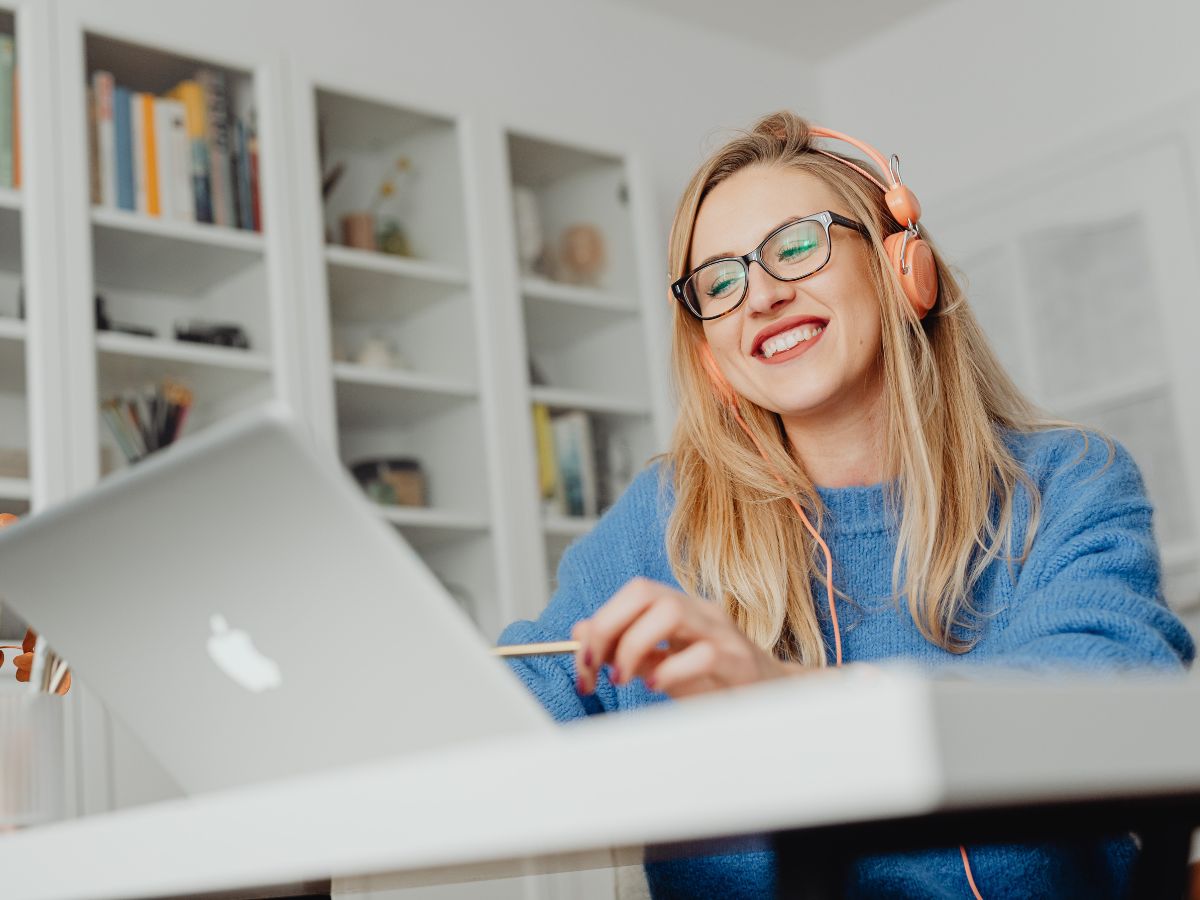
{"x":822,"y":749}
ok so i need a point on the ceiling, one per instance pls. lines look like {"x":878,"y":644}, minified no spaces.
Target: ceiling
{"x":823,"y":29}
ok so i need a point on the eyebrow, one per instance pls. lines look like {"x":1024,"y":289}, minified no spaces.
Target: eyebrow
{"x":729,"y":253}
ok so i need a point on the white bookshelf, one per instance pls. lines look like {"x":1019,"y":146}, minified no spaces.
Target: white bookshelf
{"x":420,"y":400}
{"x":586,"y":332}
{"x":456,"y":309}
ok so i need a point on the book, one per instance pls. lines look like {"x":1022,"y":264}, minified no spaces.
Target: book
{"x":576,"y":467}
{"x":7,"y":63}
{"x":126,"y":180}
{"x":543,"y":433}
{"x":191,"y":94}
{"x":150,"y":155}
{"x":173,"y":157}
{"x":218,"y":138}
{"x":95,"y":192}
{"x":16,"y":125}
{"x":103,"y":86}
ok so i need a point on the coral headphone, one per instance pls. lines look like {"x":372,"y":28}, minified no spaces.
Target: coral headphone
{"x":911,"y":257}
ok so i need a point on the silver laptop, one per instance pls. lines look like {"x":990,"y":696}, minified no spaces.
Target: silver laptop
{"x":237,"y":602}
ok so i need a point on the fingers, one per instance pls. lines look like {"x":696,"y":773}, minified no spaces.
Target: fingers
{"x":683,"y":670}
{"x":665,"y":620}
{"x":598,"y":636}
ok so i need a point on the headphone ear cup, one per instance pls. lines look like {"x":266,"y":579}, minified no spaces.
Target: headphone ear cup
{"x":920,"y":283}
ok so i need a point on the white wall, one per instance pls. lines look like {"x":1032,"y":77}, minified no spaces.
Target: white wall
{"x":600,"y":71}
{"x":989,"y":88}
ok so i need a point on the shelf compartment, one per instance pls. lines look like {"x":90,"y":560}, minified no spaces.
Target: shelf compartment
{"x":367,"y":137}
{"x":128,"y":362}
{"x":12,"y":355}
{"x":132,"y":251}
{"x":558,"y":526}
{"x":366,"y":397}
{"x":10,"y":230}
{"x":14,"y":489}
{"x":370,"y":287}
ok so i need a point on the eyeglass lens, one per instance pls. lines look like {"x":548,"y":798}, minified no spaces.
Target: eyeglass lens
{"x":792,"y":253}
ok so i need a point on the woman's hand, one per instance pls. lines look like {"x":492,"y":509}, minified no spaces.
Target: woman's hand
{"x":705,"y":650}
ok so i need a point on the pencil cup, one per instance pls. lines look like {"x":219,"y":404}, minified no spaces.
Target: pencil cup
{"x":32,"y":768}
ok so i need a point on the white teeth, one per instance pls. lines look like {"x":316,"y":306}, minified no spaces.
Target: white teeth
{"x":789,"y":339}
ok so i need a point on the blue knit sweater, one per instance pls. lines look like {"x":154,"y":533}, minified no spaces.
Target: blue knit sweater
{"x":1087,"y":597}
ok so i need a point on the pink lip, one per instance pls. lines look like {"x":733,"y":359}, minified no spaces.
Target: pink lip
{"x":787,"y":355}
{"x":779,"y":327}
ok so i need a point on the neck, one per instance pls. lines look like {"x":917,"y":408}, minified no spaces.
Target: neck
{"x":843,"y":447}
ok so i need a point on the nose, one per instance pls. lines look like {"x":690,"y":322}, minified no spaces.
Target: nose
{"x":765,"y":292}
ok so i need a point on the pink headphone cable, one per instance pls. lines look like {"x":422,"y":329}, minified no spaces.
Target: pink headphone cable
{"x":837,"y":637}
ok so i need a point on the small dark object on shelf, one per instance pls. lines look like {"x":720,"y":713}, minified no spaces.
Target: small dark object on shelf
{"x":104,"y":323}
{"x":392,"y":481}
{"x":223,"y":335}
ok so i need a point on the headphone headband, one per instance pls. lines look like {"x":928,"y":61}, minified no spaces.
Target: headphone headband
{"x":901,"y":201}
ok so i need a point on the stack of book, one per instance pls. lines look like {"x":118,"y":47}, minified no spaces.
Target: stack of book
{"x":10,"y":143}
{"x":146,"y":421}
{"x":190,"y":156}
{"x":583,"y":465}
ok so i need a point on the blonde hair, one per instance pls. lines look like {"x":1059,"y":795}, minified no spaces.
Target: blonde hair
{"x":733,"y":536}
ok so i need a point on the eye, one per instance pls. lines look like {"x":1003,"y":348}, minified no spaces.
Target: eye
{"x":797,"y":247}
{"x":721,"y":280}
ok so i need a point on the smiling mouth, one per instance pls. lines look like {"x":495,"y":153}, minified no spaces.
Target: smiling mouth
{"x":791,"y":343}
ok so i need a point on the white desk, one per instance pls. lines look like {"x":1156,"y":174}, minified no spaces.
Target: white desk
{"x":831,"y":748}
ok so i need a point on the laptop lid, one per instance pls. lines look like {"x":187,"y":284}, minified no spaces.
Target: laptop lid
{"x":239,"y":605}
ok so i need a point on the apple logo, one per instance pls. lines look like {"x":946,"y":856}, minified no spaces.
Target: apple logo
{"x":235,"y":654}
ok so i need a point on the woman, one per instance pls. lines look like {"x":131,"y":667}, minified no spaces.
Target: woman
{"x":835,"y":389}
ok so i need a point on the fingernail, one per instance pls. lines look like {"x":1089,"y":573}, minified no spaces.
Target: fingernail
{"x":614,"y":674}
{"x":649,"y":682}
{"x":587,"y":657}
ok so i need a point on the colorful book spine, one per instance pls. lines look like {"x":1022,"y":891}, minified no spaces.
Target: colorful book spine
{"x":123,"y":150}
{"x":150,"y":153}
{"x":255,"y":203}
{"x":220,"y":173}
{"x":576,"y":469}
{"x":547,"y":463}
{"x":95,"y":193}
{"x":164,"y":164}
{"x":103,"y":86}
{"x":138,"y":143}
{"x":182,"y":199}
{"x":7,"y":64}
{"x":16,"y":127}
{"x":191,"y":94}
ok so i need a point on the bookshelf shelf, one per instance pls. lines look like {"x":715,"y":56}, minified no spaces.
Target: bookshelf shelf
{"x":390,"y":266}
{"x":12,"y":330}
{"x":137,"y":252}
{"x":535,"y":288}
{"x":182,"y":352}
{"x":14,"y":489}
{"x":568,"y":526}
{"x":10,"y":199}
{"x":414,"y":382}
{"x":130,"y":362}
{"x":381,"y":398}
{"x":564,"y":399}
{"x":454,"y":523}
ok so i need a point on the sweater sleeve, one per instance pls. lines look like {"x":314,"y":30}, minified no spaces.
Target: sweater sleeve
{"x":1089,"y":597}
{"x":592,"y":569}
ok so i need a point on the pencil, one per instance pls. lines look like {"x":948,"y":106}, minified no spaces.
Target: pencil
{"x":544,"y":649}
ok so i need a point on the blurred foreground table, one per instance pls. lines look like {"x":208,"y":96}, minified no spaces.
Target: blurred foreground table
{"x":825,"y":766}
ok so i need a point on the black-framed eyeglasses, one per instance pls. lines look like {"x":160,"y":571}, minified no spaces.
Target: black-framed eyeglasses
{"x":792,"y":251}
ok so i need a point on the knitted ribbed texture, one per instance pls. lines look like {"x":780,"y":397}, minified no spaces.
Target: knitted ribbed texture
{"x":1087,"y":598}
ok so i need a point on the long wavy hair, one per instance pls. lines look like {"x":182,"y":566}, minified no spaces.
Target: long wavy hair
{"x":733,"y":536}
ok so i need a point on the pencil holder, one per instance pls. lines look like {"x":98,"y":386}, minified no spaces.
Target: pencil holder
{"x":32,"y":764}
